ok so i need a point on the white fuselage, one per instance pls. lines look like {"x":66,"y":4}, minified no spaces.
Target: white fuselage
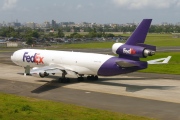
{"x":82,"y":63}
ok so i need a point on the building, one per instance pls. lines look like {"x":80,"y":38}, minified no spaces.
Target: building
{"x":14,"y":24}
{"x":46,"y":24}
{"x":31,"y":25}
{"x":54,"y":24}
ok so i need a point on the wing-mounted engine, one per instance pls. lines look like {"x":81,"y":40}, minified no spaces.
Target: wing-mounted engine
{"x":139,"y":50}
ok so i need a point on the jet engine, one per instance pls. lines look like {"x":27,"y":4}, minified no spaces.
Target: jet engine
{"x":42,"y":75}
{"x":132,"y":50}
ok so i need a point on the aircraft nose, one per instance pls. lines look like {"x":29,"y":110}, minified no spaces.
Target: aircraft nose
{"x":13,"y":57}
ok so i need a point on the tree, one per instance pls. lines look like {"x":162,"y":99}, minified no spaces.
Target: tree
{"x":6,"y":31}
{"x":51,"y":34}
{"x":60,"y":33}
{"x":109,"y":35}
{"x":14,"y":34}
{"x":75,"y":35}
{"x":29,"y":41}
{"x":35,"y":34}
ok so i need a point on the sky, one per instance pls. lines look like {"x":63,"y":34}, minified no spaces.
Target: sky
{"x":97,"y":11}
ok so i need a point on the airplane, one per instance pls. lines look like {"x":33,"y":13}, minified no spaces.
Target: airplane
{"x":92,"y":65}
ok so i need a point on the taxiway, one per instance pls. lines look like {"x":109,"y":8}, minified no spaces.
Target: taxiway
{"x":144,"y":94}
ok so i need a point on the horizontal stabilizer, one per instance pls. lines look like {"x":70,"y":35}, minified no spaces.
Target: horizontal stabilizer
{"x":160,"y":61}
{"x":130,"y":63}
{"x":125,"y":64}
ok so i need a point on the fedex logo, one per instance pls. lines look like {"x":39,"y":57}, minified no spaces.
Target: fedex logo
{"x":130,"y":51}
{"x":36,"y":58}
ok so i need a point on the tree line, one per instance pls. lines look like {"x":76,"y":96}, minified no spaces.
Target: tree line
{"x":28,"y":34}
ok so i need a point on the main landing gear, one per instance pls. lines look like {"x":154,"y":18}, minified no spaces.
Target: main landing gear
{"x":92,"y":77}
{"x":64,"y":79}
{"x":79,"y":79}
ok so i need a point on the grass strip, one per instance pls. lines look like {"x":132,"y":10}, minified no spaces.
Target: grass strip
{"x":173,"y":67}
{"x":14,"y":107}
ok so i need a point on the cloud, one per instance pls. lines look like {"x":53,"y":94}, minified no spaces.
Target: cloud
{"x":178,"y":4}
{"x":140,"y":4}
{"x":9,"y":4}
{"x":79,"y":6}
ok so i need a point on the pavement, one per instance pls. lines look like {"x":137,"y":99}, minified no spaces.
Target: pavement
{"x":144,"y":94}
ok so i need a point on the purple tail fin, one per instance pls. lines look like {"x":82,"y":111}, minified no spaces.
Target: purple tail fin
{"x":139,"y":35}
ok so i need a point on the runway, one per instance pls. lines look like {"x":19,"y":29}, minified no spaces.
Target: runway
{"x":144,"y":94}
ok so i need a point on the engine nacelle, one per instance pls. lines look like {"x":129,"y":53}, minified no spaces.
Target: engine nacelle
{"x":130,"y":50}
{"x":42,"y":75}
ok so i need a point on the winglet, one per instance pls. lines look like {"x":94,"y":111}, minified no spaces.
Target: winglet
{"x":160,"y":61}
{"x":139,"y":35}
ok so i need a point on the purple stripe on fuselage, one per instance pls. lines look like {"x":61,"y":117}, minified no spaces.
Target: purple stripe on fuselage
{"x":110,"y":68}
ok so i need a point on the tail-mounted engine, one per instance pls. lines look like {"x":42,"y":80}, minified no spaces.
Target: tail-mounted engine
{"x":139,"y":50}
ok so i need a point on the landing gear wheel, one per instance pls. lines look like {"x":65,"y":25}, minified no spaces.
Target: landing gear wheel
{"x":88,"y":77}
{"x":80,"y":79}
{"x":67,"y":80}
{"x":92,"y":77}
{"x":96,"y":77}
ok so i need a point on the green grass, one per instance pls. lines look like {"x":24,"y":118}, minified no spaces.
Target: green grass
{"x":93,"y":45}
{"x":11,"y":49}
{"x":173,"y":67}
{"x":160,"y":40}
{"x":17,"y":108}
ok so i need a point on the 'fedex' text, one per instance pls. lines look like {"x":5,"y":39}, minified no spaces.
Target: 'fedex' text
{"x":130,"y":51}
{"x":36,"y":58}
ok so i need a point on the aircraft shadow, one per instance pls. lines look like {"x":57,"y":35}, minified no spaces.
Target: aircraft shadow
{"x":50,"y":85}
{"x":133,"y":88}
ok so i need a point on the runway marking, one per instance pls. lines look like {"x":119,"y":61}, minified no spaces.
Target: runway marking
{"x":87,"y":92}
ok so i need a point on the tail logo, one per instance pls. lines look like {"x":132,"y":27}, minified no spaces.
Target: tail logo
{"x":131,"y":51}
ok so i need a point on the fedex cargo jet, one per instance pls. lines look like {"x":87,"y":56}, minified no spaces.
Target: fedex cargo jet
{"x":79,"y":64}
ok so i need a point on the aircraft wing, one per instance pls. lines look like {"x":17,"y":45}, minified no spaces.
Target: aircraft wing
{"x":160,"y":61}
{"x":51,"y":69}
{"x":48,"y":69}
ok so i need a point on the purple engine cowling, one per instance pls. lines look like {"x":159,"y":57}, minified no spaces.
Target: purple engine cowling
{"x":131,"y":50}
